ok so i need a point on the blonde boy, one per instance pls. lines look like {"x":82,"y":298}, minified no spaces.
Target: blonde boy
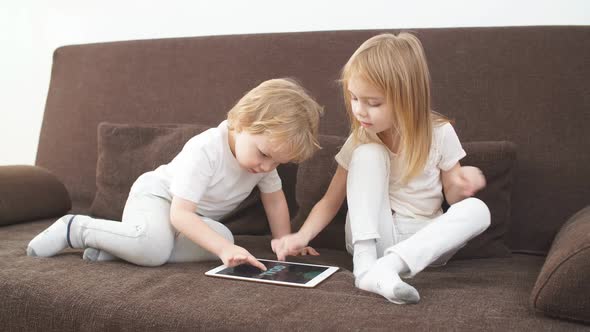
{"x":171,"y":213}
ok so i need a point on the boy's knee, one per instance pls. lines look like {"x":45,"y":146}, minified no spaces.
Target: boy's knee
{"x":157,"y":257}
{"x":229,"y":236}
{"x":225,"y":232}
{"x":220,"y":229}
{"x":148,"y":254}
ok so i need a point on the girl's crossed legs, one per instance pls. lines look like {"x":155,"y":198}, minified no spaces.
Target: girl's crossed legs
{"x":372,"y":232}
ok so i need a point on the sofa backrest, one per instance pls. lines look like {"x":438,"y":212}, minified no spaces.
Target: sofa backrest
{"x":529,"y":85}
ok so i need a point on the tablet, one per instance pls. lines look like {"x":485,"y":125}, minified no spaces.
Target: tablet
{"x":281,"y":273}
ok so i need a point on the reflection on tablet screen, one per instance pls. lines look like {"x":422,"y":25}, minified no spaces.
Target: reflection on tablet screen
{"x":276,"y":271}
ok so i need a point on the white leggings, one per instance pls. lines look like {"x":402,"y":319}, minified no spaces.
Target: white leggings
{"x":145,"y":236}
{"x":419,"y":243}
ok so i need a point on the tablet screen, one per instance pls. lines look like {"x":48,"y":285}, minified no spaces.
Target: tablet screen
{"x":276,"y":271}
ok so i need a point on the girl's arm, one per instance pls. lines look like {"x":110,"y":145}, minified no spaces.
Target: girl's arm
{"x":186,"y":221}
{"x":277,"y":212}
{"x":324,"y":211}
{"x":461,"y":182}
{"x":319,"y":217}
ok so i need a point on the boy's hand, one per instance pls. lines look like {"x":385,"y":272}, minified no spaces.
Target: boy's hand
{"x":235,"y":255}
{"x":291,"y":245}
{"x":470,"y":180}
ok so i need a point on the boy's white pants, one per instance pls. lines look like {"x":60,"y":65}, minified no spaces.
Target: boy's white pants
{"x":418,"y":242}
{"x":145,"y":236}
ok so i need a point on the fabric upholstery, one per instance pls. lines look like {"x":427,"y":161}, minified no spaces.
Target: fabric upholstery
{"x":29,"y":193}
{"x":562,"y":289}
{"x":66,"y":293}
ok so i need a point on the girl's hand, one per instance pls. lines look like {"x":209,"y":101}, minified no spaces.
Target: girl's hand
{"x":290,"y":245}
{"x":470,"y":180}
{"x":235,"y":255}
{"x":308,"y":251}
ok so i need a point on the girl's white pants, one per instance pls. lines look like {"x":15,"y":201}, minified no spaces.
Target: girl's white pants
{"x":419,"y":243}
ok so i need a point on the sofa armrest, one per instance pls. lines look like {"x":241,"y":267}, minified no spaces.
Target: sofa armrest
{"x":29,"y":193}
{"x":562,"y":289}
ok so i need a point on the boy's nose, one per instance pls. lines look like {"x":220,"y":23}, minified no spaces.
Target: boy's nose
{"x":264,"y":167}
{"x":267,"y":166}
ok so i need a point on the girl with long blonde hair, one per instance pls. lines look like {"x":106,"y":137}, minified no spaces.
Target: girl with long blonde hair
{"x":398,"y":160}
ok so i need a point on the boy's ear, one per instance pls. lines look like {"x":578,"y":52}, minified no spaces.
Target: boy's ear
{"x":237,"y":128}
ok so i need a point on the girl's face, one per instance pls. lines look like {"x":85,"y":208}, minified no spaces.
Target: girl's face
{"x":255,"y":153}
{"x":369,"y":105}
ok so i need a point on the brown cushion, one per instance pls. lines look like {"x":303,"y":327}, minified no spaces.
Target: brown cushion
{"x":313,"y":179}
{"x":29,"y":193}
{"x":562,"y":289}
{"x":496,"y":159}
{"x":125,"y":151}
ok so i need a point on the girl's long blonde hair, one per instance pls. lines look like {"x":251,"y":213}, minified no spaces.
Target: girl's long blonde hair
{"x":397,"y":66}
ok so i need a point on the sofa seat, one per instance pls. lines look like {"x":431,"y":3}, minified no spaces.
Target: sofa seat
{"x":67,"y":293}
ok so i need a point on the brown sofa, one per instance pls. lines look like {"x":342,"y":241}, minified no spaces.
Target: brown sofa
{"x":519,"y":97}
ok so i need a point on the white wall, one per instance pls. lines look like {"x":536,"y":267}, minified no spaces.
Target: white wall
{"x":30,"y":30}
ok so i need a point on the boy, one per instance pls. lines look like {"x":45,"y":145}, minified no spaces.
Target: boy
{"x":171,"y":213}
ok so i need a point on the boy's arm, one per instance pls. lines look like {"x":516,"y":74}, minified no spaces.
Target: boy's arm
{"x":277,"y":212}
{"x":186,"y":221}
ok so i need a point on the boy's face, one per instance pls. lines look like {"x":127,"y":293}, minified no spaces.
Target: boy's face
{"x":255,"y":153}
{"x":369,"y":105}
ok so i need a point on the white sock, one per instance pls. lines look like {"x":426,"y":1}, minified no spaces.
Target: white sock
{"x":364,"y":256}
{"x":53,"y":239}
{"x":97,"y":255}
{"x":383,"y":278}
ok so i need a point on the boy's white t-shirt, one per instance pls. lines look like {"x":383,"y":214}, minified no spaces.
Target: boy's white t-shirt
{"x":207,"y":173}
{"x":422,"y":196}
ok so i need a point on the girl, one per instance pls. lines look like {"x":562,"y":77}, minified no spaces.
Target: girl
{"x":393,"y":170}
{"x":171,"y":213}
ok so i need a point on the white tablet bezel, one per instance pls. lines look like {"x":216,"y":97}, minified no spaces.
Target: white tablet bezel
{"x":312,"y":283}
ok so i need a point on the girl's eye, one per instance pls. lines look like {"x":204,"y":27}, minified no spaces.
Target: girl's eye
{"x":374,"y":105}
{"x":262,"y":154}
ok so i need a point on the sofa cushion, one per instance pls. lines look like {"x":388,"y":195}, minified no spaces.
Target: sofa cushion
{"x":313,"y":179}
{"x":562,"y":289}
{"x":125,"y":151}
{"x":495,"y":159}
{"x":66,"y":293}
{"x":29,"y":193}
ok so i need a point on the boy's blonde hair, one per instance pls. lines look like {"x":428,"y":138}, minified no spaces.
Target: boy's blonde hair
{"x":397,"y":66}
{"x":282,"y":109}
